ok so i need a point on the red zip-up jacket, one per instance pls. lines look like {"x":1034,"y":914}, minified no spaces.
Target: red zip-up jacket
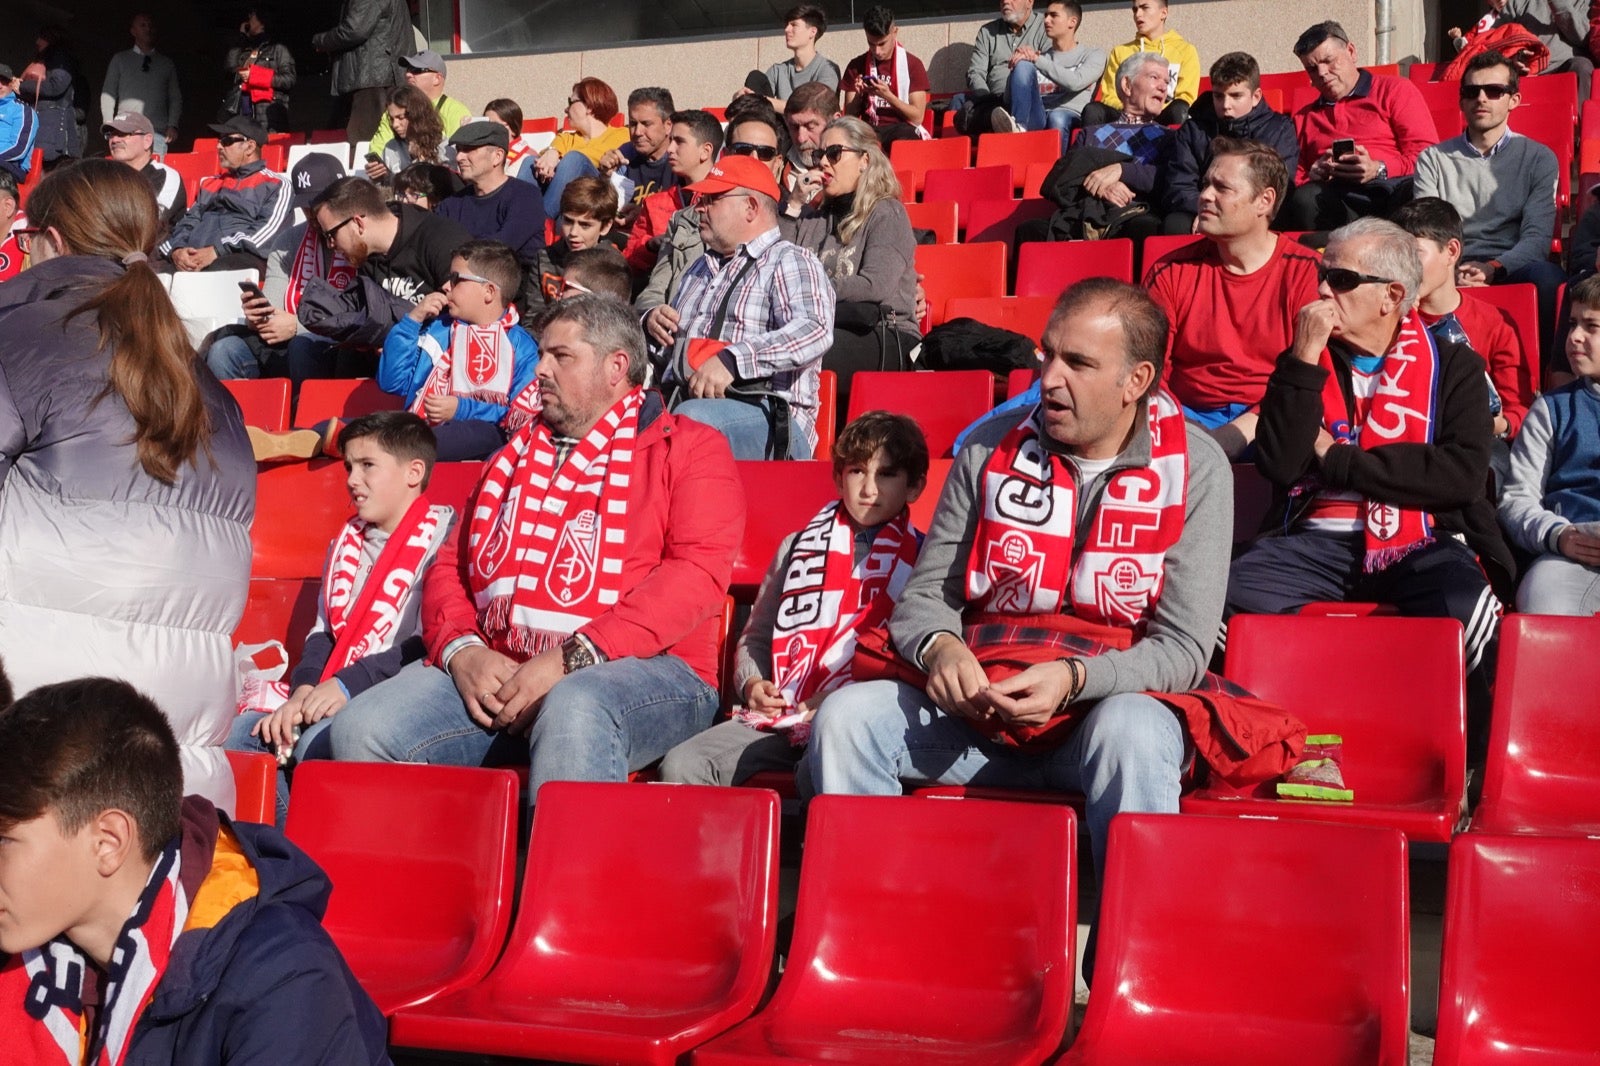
{"x":654,"y":214}
{"x":684,"y":526}
{"x":1384,"y":114}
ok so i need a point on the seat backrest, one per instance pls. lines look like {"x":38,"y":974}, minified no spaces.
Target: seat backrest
{"x":959,"y":270}
{"x":1026,"y":315}
{"x":1159,"y":245}
{"x":264,"y":402}
{"x":207,"y":300}
{"x":255,"y":782}
{"x":673,"y":904}
{"x":827,"y":414}
{"x":1046,"y":268}
{"x":339,"y":153}
{"x":898,"y":920}
{"x":1280,"y":952}
{"x":923,"y":507}
{"x":1392,"y":687}
{"x":1543,"y":772}
{"x":967,"y":185}
{"x":1521,"y":932}
{"x":1034,"y":179}
{"x":917,"y":157}
{"x":1521,"y":302}
{"x":1554,"y":92}
{"x":347,"y":398}
{"x":997,"y":220}
{"x":1020,"y":380}
{"x":1019,"y":151}
{"x":281,"y":609}
{"x":454,"y":485}
{"x":943,"y":402}
{"x":422,"y":860}
{"x":299,"y":507}
{"x":779,"y":498}
{"x":937,"y":215}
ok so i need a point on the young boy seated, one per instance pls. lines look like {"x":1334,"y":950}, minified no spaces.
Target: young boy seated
{"x":588,"y":211}
{"x":367,"y":613}
{"x":830,"y":582}
{"x":469,"y":370}
{"x":140,"y":926}
{"x":1480,"y":325}
{"x":1551,"y":504}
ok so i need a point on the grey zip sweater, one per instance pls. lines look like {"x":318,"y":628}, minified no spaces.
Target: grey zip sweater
{"x":1176,"y":648}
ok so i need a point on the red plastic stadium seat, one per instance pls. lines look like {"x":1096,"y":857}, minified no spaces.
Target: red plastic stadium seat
{"x":191,"y":166}
{"x":1026,"y":315}
{"x":1159,"y":245}
{"x":918,"y":157}
{"x":1019,"y":382}
{"x":1557,"y":93}
{"x":779,"y":498}
{"x":1034,"y":180}
{"x":903,"y":950}
{"x":646,"y":925}
{"x":346,"y":398}
{"x":936,"y":215}
{"x":1543,"y":773}
{"x":299,"y":507}
{"x":264,"y":402}
{"x":423,"y":864}
{"x":1400,"y":705}
{"x":1046,"y":268}
{"x":454,"y":484}
{"x":827,"y":414}
{"x":959,"y":270}
{"x":1421,"y":73}
{"x":1288,"y":80}
{"x":1444,"y":103}
{"x":966,"y":186}
{"x":1308,"y":966}
{"x":943,"y":402}
{"x":997,"y":220}
{"x":923,"y":507}
{"x":1019,"y":151}
{"x":281,"y":609}
{"x":1521,"y":931}
{"x":255,"y":781}
{"x":1521,"y":302}
{"x":205,"y":146}
{"x":330,"y":136}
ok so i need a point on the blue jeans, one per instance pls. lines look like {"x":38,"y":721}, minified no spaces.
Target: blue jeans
{"x":231,"y":357}
{"x":572,"y":165}
{"x":746,"y":427}
{"x":1034,"y":110}
{"x":313,"y":744}
{"x":867,"y":738}
{"x":596,"y":725}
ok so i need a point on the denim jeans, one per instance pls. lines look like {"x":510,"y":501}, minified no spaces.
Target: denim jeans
{"x":313,"y":744}
{"x":231,"y":357}
{"x":1555,"y":584}
{"x":746,"y":426}
{"x":1034,"y":110}
{"x":867,"y":738}
{"x":597,"y":725}
{"x":573,"y":165}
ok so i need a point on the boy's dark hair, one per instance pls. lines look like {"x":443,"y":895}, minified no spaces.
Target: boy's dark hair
{"x":1071,"y":7}
{"x":704,"y":126}
{"x":1489,"y":60}
{"x":811,"y":15}
{"x":590,"y":196}
{"x":602,"y":271}
{"x":399,"y":433}
{"x":1312,"y":39}
{"x":1234,"y":67}
{"x":496,"y":261}
{"x":898,"y":435}
{"x":78,"y":748}
{"x":877,"y":22}
{"x":1430,"y":218}
{"x":1585,"y":294}
{"x":814,"y":96}
{"x":652,"y":94}
{"x":428,"y":179}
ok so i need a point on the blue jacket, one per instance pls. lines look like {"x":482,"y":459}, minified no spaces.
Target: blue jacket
{"x":406,"y":363}
{"x":18,"y":128}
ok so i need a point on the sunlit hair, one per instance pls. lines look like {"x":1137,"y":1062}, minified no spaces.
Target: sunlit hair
{"x":424,"y":127}
{"x":877,"y":176}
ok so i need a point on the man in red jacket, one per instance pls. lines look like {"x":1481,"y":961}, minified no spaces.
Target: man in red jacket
{"x":574,"y":623}
{"x":1385,"y":120}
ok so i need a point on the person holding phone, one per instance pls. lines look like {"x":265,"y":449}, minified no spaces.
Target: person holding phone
{"x":886,"y":86}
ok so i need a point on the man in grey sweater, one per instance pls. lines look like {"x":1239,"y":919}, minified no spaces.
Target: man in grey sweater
{"x":143,"y":80}
{"x":1503,"y":185}
{"x":1040,"y":521}
{"x":994,"y":52}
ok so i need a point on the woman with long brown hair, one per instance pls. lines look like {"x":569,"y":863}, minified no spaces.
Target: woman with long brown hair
{"x":418,"y":134}
{"x":126,"y":481}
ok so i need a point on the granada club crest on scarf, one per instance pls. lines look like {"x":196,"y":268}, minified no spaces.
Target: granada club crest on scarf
{"x":1026,"y":536}
{"x":478,"y":364}
{"x":546,"y":542}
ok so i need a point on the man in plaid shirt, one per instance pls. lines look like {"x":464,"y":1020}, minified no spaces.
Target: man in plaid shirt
{"x":753,"y":318}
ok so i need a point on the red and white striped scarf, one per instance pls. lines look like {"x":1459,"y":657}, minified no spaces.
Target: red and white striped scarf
{"x":363,"y":621}
{"x":546,"y":543}
{"x":898,"y":75}
{"x":827,"y":599}
{"x":477,"y":364}
{"x":311,"y":262}
{"x":1403,"y":410}
{"x":1024,"y":543}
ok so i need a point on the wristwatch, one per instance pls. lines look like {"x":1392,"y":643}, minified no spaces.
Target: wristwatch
{"x":575,"y":655}
{"x":1383,"y":171}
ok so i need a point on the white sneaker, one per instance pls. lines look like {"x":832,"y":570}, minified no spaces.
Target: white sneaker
{"x":1002,"y":122}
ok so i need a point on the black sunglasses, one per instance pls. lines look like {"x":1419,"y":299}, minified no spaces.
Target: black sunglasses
{"x":1493,"y":92}
{"x":229,"y":142}
{"x":833,"y":153}
{"x":764,"y":152}
{"x":1341,"y":280}
{"x":327,"y":234}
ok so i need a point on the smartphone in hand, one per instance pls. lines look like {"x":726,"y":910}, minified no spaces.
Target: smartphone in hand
{"x":1342,"y":147}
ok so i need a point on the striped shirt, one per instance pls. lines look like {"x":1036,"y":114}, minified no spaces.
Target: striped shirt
{"x":779,"y":323}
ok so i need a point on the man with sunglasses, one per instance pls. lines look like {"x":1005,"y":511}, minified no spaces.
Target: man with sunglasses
{"x":236,"y":213}
{"x":1504,"y":187}
{"x":142,"y":79}
{"x":1375,"y":435}
{"x":130,"y":139}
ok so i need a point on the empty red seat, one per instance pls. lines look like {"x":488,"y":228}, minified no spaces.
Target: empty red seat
{"x":997,"y":220}
{"x":299,"y":507}
{"x":646,"y":926}
{"x":1160,"y":244}
{"x":281,"y":609}
{"x":1047,"y":268}
{"x":907,"y":950}
{"x":1019,"y":382}
{"x":943,"y":402}
{"x":423,"y":865}
{"x":255,"y":777}
{"x":779,"y":499}
{"x":346,"y":398}
{"x":1521,"y":302}
{"x":454,"y":485}
{"x":1019,"y":151}
{"x":917,"y":157}
{"x":334,"y":136}
{"x":937,"y":215}
{"x":1521,"y":932}
{"x":1295,"y":950}
{"x":1027,"y":315}
{"x":1543,"y":773}
{"x":966,"y":186}
{"x":264,"y":402}
{"x":1033,"y":182}
{"x":923,"y":506}
{"x":191,"y":167}
{"x":1397,"y":698}
{"x":959,"y":270}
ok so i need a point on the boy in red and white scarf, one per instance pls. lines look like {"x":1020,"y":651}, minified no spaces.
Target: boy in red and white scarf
{"x":1376,"y":437}
{"x":139,"y":928}
{"x":368,"y":623}
{"x":829,"y":582}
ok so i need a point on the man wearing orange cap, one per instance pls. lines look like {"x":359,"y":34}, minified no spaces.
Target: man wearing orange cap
{"x":744,"y":338}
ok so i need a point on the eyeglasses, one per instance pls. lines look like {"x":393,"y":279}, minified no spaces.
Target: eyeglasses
{"x":1341,"y":280}
{"x":1493,"y":92}
{"x":230,"y":141}
{"x":24,"y":238}
{"x":833,"y":153}
{"x":568,"y":285}
{"x":764,"y":152}
{"x":574,"y":100}
{"x":703,"y":202}
{"x":456,"y":278}
{"x":328,"y":234}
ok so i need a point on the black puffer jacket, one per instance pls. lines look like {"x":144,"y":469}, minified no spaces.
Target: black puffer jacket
{"x":1191,"y":147}
{"x":367,"y":44}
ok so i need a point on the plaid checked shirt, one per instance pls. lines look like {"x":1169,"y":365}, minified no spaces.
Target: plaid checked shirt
{"x":779,"y":323}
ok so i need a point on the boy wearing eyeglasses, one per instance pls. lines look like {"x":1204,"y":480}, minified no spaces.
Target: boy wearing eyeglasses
{"x":460,"y":359}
